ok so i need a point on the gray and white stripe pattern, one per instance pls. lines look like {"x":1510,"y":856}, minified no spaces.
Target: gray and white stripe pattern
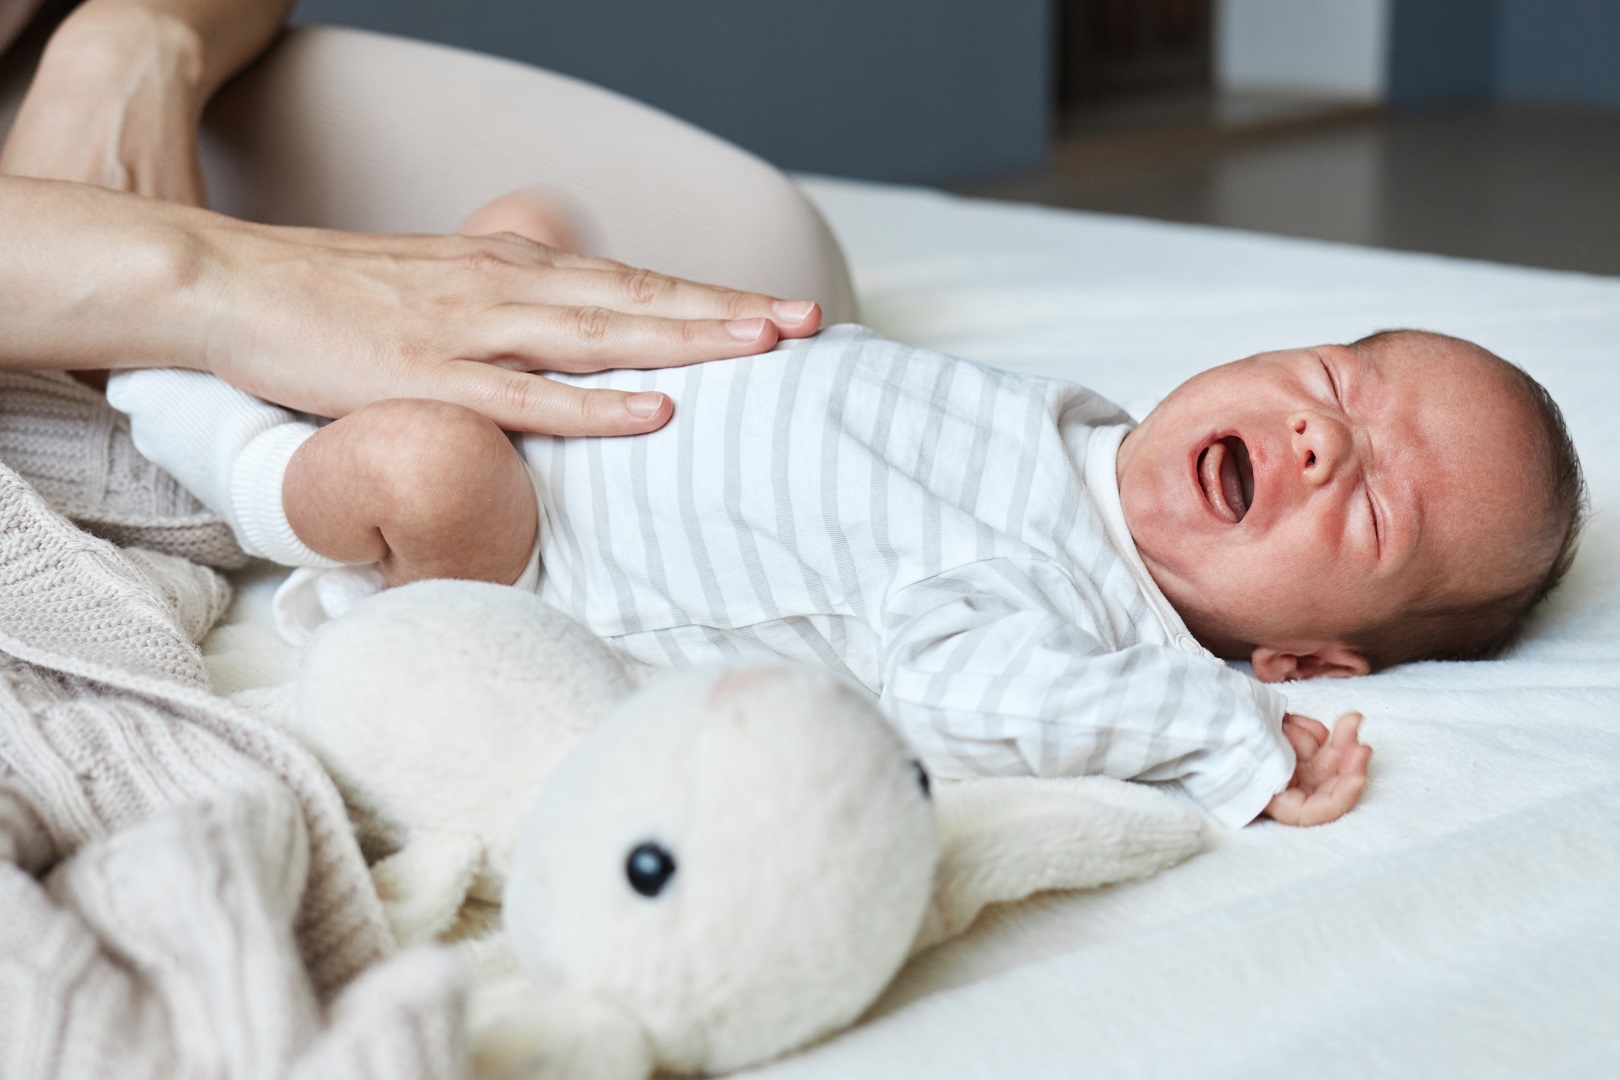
{"x":923,"y":525}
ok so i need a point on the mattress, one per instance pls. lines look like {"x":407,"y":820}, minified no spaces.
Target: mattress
{"x":1465,"y":919}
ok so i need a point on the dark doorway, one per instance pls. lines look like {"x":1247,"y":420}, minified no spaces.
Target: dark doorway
{"x":1110,"y":49}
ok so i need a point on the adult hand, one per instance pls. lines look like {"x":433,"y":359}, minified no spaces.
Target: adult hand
{"x":317,"y":320}
{"x":327,"y":322}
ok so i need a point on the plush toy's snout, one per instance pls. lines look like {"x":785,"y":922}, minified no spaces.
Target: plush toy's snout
{"x":734,"y":685}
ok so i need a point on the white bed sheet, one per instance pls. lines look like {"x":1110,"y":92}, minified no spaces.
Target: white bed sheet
{"x":1465,"y":919}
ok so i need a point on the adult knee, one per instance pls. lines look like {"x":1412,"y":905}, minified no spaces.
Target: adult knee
{"x":783,"y":245}
{"x":803,"y":246}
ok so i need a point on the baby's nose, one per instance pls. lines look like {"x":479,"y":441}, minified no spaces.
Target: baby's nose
{"x":1320,"y":444}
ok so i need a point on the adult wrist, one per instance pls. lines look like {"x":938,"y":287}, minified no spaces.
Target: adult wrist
{"x":129,"y":282}
{"x":187,"y":257}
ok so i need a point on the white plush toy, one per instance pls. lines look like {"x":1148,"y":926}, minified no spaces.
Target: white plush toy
{"x":715,"y":868}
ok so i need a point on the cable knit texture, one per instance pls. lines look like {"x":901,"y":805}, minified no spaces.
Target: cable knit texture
{"x":227,"y":448}
{"x":75,"y":449}
{"x":180,"y":890}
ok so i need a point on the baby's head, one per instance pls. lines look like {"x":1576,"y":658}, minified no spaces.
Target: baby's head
{"x":1343,"y":508}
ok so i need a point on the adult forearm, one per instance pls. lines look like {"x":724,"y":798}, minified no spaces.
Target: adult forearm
{"x":91,"y":279}
{"x":121,"y":87}
{"x":327,"y":322}
{"x":211,"y":40}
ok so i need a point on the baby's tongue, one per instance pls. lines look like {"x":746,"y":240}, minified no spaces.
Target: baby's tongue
{"x":1232,"y":484}
{"x":1223,"y":486}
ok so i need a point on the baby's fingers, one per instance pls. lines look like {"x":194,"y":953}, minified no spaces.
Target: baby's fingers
{"x":1333,"y":800}
{"x":1294,"y":807}
{"x":1346,"y":730}
{"x":1304,"y":743}
{"x":1310,"y":725}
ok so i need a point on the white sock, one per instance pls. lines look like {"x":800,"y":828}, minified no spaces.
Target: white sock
{"x":226,"y":447}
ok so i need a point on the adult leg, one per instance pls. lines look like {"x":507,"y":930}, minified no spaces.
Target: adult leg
{"x":354,"y":130}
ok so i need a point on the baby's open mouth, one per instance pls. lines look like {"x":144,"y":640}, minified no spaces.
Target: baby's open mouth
{"x":1227,"y":477}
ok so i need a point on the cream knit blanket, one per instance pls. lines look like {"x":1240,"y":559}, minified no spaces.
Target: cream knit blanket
{"x":180,"y":891}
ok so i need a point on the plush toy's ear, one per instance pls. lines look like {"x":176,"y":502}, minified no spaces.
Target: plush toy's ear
{"x":561,"y":1037}
{"x":1007,"y":839}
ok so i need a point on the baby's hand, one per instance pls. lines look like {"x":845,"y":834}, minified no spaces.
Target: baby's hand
{"x":1329,"y":772}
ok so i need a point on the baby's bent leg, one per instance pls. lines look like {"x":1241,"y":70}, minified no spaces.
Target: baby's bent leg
{"x":422,"y":488}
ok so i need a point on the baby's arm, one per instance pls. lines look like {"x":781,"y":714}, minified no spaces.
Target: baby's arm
{"x":421,"y":488}
{"x":994,"y":668}
{"x":1330,"y":772}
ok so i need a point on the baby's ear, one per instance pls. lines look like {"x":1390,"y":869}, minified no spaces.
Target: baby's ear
{"x":1332,"y":661}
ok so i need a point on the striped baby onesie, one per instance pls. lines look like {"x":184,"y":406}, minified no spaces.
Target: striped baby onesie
{"x":948,"y":535}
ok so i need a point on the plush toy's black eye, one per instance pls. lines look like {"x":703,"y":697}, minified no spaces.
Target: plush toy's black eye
{"x":922,"y":779}
{"x":649,"y":869}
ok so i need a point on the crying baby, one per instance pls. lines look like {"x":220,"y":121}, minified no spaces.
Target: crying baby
{"x":1027,"y":581}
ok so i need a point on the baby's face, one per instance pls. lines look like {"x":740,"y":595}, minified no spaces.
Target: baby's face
{"x":1287,"y":500}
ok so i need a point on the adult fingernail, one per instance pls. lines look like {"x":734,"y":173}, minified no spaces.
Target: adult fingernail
{"x":746,"y":329}
{"x":644,"y":406}
{"x":793,"y":311}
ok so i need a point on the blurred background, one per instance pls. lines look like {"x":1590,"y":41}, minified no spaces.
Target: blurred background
{"x":1480,"y":128}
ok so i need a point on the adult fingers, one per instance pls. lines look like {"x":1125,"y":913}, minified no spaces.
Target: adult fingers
{"x":518,"y":401}
{"x":643,"y":292}
{"x":535,"y":273}
{"x":555,"y":338}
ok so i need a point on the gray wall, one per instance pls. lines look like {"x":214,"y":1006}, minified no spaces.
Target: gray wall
{"x":905,"y":90}
{"x":1559,"y":50}
{"x":1442,"y":51}
{"x":1564,"y":51}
